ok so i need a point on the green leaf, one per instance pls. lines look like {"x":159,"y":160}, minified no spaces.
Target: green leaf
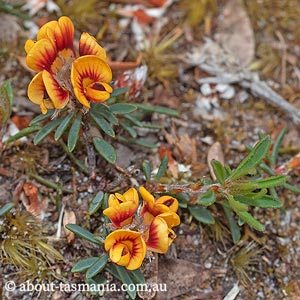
{"x":183,"y":199}
{"x":103,"y":124}
{"x":250,"y":220}
{"x":6,"y":208}
{"x":202,"y":214}
{"x":268,"y":182}
{"x":9,"y":91}
{"x":23,"y":132}
{"x":41,"y":117}
{"x":234,"y":229}
{"x":129,"y":129}
{"x":74,"y":133}
{"x":127,"y":281}
{"x":134,"y":121}
{"x":63,"y":126}
{"x":264,"y":201}
{"x":83,"y":233}
{"x":137,"y":276}
{"x":219,"y":170}
{"x":162,"y":168}
{"x":46,"y":130}
{"x":105,"y":149}
{"x":256,"y":155}
{"x":235,"y":205}
{"x":139,"y":142}
{"x":96,"y":203}
{"x":101,"y":110}
{"x":118,"y":92}
{"x":207,"y":198}
{"x":122,"y":108}
{"x":84,"y":264}
{"x":147,"y":170}
{"x":158,"y":109}
{"x":276,"y":146}
{"x":97,"y":267}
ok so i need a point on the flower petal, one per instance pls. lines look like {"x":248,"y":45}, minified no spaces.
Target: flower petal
{"x":43,"y":32}
{"x":119,"y":254}
{"x":158,"y":240}
{"x":131,"y":195}
{"x":134,"y":244}
{"x":169,"y":201}
{"x":58,"y":95}
{"x":148,"y":200}
{"x":36,"y":89}
{"x":89,"y":75}
{"x":89,"y":46}
{"x":122,"y":214}
{"x":171,"y":218}
{"x":28,"y":45}
{"x":41,"y":55}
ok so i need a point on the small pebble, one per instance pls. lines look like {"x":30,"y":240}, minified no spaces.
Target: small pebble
{"x":206,"y":89}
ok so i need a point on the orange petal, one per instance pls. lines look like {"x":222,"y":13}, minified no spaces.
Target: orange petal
{"x":148,"y":199}
{"x":28,"y":45}
{"x":88,"y":75}
{"x":122,"y":214}
{"x":62,"y":34}
{"x":36,"y":89}
{"x":171,"y":218}
{"x":43,"y":32}
{"x":131,"y":195}
{"x":41,"y":55}
{"x":89,"y":46}
{"x":158,"y":240}
{"x":45,"y":105}
{"x":58,"y":95}
{"x":134,"y":244}
{"x":113,"y":200}
{"x":119,"y":254}
{"x":169,"y":201}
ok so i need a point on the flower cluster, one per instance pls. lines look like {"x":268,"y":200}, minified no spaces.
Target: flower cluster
{"x":135,"y":233}
{"x":63,"y":79}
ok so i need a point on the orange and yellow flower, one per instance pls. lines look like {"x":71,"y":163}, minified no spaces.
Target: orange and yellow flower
{"x":62,"y":78}
{"x":153,"y":229}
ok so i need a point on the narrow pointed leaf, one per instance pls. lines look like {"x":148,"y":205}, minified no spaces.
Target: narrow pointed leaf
{"x":5,"y":102}
{"x":219,"y":170}
{"x":235,"y":205}
{"x":97,"y":267}
{"x":63,"y":126}
{"x":276,"y":146}
{"x":101,"y":110}
{"x":83,"y":233}
{"x":74,"y":133}
{"x":23,"y":132}
{"x":105,"y":149}
{"x":158,"y":109}
{"x":129,"y":129}
{"x":256,"y":155}
{"x":250,"y":220}
{"x":202,"y":214}
{"x":265,"y":201}
{"x":41,"y":117}
{"x":234,"y":228}
{"x":96,"y":203}
{"x":134,"y":121}
{"x":46,"y":130}
{"x":118,"y":92}
{"x":125,"y":279}
{"x":162,"y":168}
{"x":122,"y":108}
{"x":146,"y":170}
{"x":84,"y":264}
{"x":103,"y":124}
{"x":6,"y":208}
{"x":137,"y":276}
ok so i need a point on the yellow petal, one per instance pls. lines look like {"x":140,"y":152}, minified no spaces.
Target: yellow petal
{"x":42,"y":34}
{"x":89,"y":46}
{"x":88,"y":75}
{"x":148,"y":200}
{"x":157,"y":239}
{"x":58,"y":95}
{"x":169,"y":201}
{"x":171,"y":218}
{"x":41,"y":55}
{"x":112,"y":200}
{"x":134,"y":244}
{"x":119,"y":254}
{"x":36,"y":89}
{"x":45,"y":105}
{"x":28,"y":45}
{"x":131,"y":195}
{"x":122,"y":214}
